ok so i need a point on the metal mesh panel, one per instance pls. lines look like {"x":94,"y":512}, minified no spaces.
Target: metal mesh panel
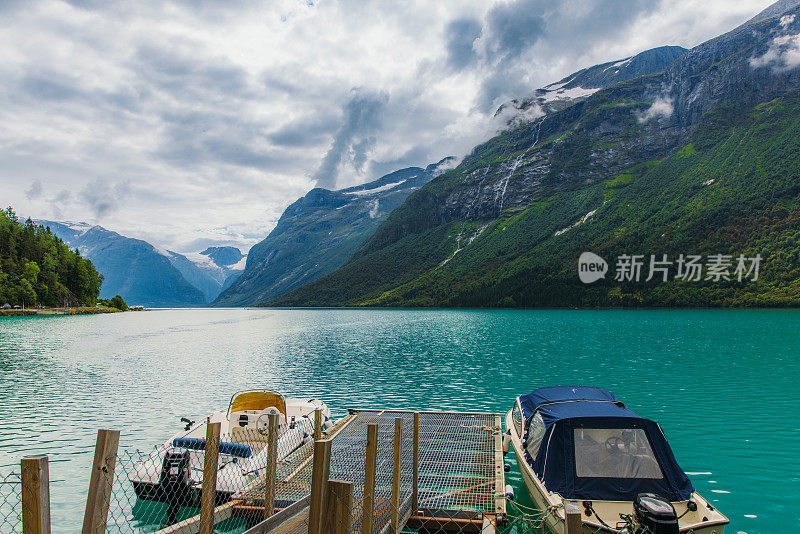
{"x":161,"y":490}
{"x":10,"y":503}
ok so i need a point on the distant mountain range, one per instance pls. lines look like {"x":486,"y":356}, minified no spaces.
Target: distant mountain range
{"x":697,"y":154}
{"x":318,"y":232}
{"x":212,"y":270}
{"x":146,"y":275}
{"x":671,"y":151}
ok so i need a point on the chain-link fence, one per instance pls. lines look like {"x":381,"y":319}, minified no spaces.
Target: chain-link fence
{"x":387,"y":471}
{"x":230,"y":478}
{"x":373,"y":472}
{"x":10,"y":503}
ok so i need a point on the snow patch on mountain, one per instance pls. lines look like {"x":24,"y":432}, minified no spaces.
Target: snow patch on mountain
{"x":80,"y":227}
{"x":619,"y":64}
{"x":569,"y":94}
{"x":379,"y":189}
{"x":205,"y":262}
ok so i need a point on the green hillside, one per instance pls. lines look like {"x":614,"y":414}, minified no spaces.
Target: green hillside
{"x":655,"y":207}
{"x":36,"y":267}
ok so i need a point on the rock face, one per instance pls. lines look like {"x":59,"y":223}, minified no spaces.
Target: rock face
{"x":506,"y":226}
{"x":318,"y":232}
{"x":133,"y":268}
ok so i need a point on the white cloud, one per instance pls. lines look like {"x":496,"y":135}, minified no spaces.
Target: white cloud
{"x":35,"y":190}
{"x":783,"y":53}
{"x":219,"y":114}
{"x":662,"y":108}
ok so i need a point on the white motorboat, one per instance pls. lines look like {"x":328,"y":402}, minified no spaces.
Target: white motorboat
{"x":174,"y":472}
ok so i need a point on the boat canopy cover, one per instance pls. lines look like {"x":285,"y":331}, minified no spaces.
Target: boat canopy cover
{"x":587,"y":445}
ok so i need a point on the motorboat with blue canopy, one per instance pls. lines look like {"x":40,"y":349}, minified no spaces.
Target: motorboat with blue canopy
{"x":580,"y":443}
{"x":594,"y":447}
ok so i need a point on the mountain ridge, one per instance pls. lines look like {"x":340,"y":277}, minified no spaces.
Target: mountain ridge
{"x":319,"y":231}
{"x":585,"y":82}
{"x":133,"y":268}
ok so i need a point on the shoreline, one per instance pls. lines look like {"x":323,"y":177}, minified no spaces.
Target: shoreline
{"x":57,"y":311}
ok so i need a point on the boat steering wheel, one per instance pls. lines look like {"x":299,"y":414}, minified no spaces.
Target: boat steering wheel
{"x":262,"y":423}
{"x":612,"y":444}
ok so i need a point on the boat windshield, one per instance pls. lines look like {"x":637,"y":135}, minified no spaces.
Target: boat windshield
{"x":257,"y":400}
{"x":536,"y":431}
{"x":614,"y":453}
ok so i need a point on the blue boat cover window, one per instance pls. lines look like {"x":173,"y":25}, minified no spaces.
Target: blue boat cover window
{"x":614,"y":453}
{"x":595,"y":448}
{"x":536,"y":430}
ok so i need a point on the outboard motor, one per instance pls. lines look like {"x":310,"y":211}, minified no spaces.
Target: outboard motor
{"x":654,"y":515}
{"x":174,"y":482}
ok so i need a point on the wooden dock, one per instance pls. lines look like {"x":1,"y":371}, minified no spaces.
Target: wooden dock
{"x":446,"y":474}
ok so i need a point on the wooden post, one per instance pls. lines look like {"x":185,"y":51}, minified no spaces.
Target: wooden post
{"x":369,"y":478}
{"x":100,"y":480}
{"x":320,"y":471}
{"x":35,"y":472}
{"x":572,"y":519}
{"x":208,"y":495}
{"x":398,"y":445}
{"x":272,"y":465}
{"x":415,"y":473}
{"x":317,"y":424}
{"x":340,"y":506}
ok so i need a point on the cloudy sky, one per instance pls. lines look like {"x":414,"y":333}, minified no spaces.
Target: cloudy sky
{"x":196,"y":122}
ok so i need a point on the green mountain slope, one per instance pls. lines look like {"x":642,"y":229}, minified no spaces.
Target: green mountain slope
{"x":700,"y":159}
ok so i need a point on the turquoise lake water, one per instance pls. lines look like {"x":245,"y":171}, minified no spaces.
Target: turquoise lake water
{"x":723,"y":384}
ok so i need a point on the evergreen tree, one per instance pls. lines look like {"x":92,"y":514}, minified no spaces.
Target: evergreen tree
{"x":36,"y":267}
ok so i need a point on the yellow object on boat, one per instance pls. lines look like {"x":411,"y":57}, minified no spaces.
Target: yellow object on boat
{"x":257,"y":400}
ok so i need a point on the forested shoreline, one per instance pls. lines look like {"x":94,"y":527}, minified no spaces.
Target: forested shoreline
{"x":38,"y":269}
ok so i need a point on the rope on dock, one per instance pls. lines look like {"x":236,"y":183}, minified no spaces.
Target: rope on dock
{"x":491,"y":429}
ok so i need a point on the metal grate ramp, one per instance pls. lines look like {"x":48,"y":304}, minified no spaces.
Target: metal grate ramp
{"x":460,"y":467}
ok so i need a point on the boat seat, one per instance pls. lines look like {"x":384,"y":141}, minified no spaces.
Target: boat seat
{"x":249,"y":436}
